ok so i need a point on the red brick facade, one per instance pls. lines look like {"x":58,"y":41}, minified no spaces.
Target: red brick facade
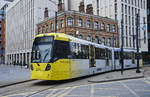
{"x":75,"y":30}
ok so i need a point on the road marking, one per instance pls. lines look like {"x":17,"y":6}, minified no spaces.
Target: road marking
{"x":23,"y":94}
{"x":59,"y":93}
{"x":92,"y":90}
{"x":66,"y":92}
{"x":129,"y":89}
{"x":148,"y":82}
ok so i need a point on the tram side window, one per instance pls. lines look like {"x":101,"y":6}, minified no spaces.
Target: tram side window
{"x":79,"y":51}
{"x":97,"y":53}
{"x":127,"y":55}
{"x":109,"y":54}
{"x":85,"y":51}
{"x":61,"y":49}
{"x":117,"y":55}
{"x":102,"y":53}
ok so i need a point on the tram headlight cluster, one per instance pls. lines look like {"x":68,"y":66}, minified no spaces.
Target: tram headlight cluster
{"x":48,"y":67}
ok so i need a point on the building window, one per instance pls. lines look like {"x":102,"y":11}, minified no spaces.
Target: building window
{"x":39,"y":30}
{"x":144,"y":36}
{"x":80,"y":23}
{"x":114,"y":28}
{"x":47,"y":28}
{"x":80,"y":36}
{"x":96,"y":25}
{"x":52,"y":27}
{"x":89,"y":38}
{"x":129,"y":10}
{"x":96,"y":39}
{"x":103,"y":40}
{"x":125,"y":9}
{"x":126,"y":19}
{"x":127,"y":41}
{"x":115,"y":8}
{"x":108,"y":27}
{"x":43,"y":30}
{"x":122,"y":8}
{"x":62,"y":23}
{"x":144,"y":4}
{"x":130,"y":41}
{"x":114,"y":42}
{"x":70,"y":21}
{"x":148,"y":11}
{"x":102,"y":26}
{"x":88,"y":23}
{"x":109,"y":42}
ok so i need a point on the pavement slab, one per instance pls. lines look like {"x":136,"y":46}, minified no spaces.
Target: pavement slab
{"x":13,"y":74}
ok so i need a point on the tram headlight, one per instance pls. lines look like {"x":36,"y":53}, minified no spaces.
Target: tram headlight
{"x":31,"y":67}
{"x":48,"y":67}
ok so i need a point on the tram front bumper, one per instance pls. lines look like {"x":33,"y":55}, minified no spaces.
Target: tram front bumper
{"x":41,"y":75}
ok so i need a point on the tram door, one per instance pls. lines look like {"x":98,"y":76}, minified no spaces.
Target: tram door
{"x":92,"y":61}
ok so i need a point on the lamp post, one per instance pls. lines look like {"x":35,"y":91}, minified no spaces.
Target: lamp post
{"x":137,"y":42}
{"x":121,"y":55}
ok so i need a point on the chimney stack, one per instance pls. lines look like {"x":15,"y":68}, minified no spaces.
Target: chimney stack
{"x":46,"y":13}
{"x":60,"y":6}
{"x":81,"y":7}
{"x":89,"y":9}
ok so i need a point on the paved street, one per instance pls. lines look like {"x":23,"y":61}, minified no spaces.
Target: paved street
{"x":128,"y":88}
{"x":82,"y":87}
{"x":10,"y":74}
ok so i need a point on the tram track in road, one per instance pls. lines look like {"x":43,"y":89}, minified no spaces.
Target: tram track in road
{"x":37,"y":92}
{"x":34,"y":86}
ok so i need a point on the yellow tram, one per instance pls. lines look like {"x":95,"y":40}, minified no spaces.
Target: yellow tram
{"x":57,"y":56}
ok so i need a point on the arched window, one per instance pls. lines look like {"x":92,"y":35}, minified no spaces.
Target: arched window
{"x":108,"y":27}
{"x":89,"y":38}
{"x":47,"y":28}
{"x":114,"y":28}
{"x":102,"y":26}
{"x":52,"y":29}
{"x":96,"y":25}
{"x":103,"y":40}
{"x":96,"y":39}
{"x":62,"y":23}
{"x":80,"y":36}
{"x":70,"y":21}
{"x":80,"y":23}
{"x":88,"y":23}
{"x":43,"y":30}
{"x":109,"y":42}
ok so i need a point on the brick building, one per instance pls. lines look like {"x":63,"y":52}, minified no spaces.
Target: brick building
{"x":83,"y":25}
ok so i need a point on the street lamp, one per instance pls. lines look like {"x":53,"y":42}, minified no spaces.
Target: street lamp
{"x":121,"y":55}
{"x":137,"y":42}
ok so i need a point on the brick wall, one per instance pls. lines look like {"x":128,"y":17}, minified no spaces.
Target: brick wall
{"x":84,"y":31}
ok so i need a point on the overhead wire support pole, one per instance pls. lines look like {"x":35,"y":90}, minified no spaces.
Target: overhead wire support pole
{"x":137,"y":42}
{"x":122,"y":54}
{"x":55,"y":21}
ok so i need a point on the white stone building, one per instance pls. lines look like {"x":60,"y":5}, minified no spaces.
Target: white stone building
{"x":21,"y":19}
